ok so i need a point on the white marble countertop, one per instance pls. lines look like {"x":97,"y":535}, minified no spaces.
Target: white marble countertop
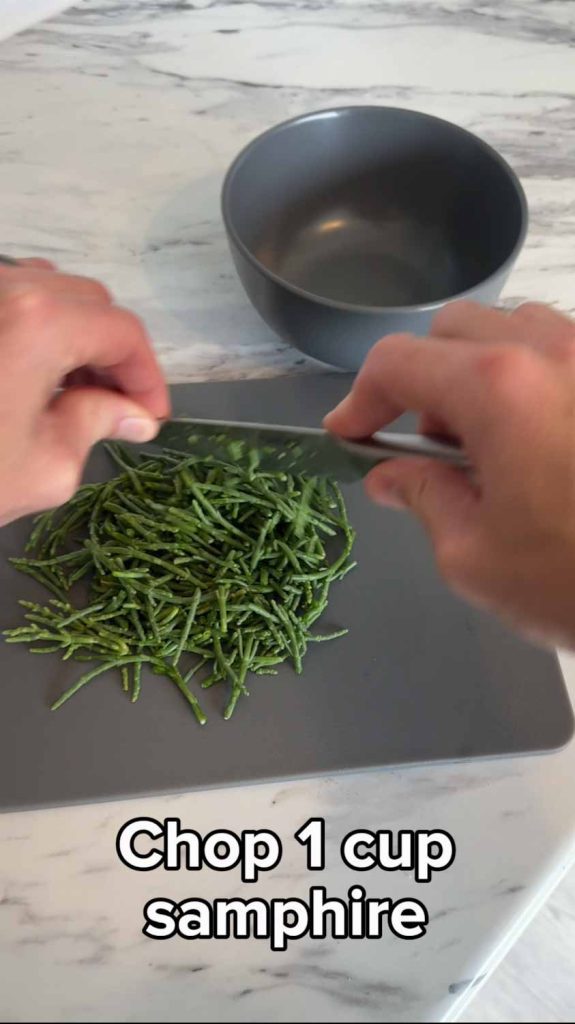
{"x":118,"y":120}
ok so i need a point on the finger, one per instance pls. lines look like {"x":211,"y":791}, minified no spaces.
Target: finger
{"x":443,"y":499}
{"x":79,"y":418}
{"x":28,"y":261}
{"x":26,"y":279}
{"x":38,"y":262}
{"x":73,"y":423}
{"x":402,"y":372}
{"x":532,"y":324}
{"x":544,"y":328}
{"x":470,"y":321}
{"x":122,"y":352}
{"x":61,"y":338}
{"x":369,"y":405}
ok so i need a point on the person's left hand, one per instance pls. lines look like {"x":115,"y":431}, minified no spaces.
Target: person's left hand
{"x":75,"y":369}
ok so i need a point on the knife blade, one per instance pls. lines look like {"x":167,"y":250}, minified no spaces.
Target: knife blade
{"x":308,"y":450}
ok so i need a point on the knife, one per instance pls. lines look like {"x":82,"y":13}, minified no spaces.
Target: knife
{"x":308,"y":450}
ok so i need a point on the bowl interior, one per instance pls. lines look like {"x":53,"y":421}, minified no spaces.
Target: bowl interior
{"x":375,"y":207}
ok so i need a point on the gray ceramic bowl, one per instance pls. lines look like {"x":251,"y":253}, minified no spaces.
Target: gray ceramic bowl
{"x":349,"y":224}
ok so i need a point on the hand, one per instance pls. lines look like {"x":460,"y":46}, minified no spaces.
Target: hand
{"x":504,"y":386}
{"x":61,"y":331}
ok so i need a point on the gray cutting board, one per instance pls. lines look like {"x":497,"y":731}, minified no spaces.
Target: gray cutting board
{"x":419,"y":678}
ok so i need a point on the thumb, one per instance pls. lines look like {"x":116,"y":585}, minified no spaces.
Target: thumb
{"x":441,"y":496}
{"x":79,"y":417}
{"x":62,"y":439}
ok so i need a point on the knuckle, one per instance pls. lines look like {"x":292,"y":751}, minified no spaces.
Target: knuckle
{"x":379,"y":347}
{"x":528,"y":309}
{"x":127,"y":322}
{"x":452,"y":313}
{"x":97,"y":290}
{"x":557,"y":329}
{"x":30,"y":302}
{"x":381,"y":350}
{"x":508,"y":373}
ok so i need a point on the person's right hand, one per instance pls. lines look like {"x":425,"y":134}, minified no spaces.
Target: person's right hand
{"x":504,"y":386}
{"x":74,"y":369}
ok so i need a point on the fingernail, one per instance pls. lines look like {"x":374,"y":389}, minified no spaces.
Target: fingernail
{"x":388,"y":494}
{"x":136,"y":429}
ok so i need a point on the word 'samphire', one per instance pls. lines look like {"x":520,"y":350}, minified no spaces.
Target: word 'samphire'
{"x":283,"y":920}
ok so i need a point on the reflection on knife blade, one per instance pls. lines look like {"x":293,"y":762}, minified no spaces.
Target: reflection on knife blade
{"x":307,"y":450}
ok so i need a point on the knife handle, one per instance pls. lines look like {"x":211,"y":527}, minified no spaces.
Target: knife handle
{"x":387,"y":445}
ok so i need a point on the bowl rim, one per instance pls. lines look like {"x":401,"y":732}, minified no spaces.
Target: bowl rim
{"x":346,"y":111}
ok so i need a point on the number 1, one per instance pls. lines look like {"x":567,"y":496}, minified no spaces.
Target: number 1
{"x":312,"y":835}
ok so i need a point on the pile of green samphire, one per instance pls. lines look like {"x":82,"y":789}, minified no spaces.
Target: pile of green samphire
{"x":190,"y":564}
